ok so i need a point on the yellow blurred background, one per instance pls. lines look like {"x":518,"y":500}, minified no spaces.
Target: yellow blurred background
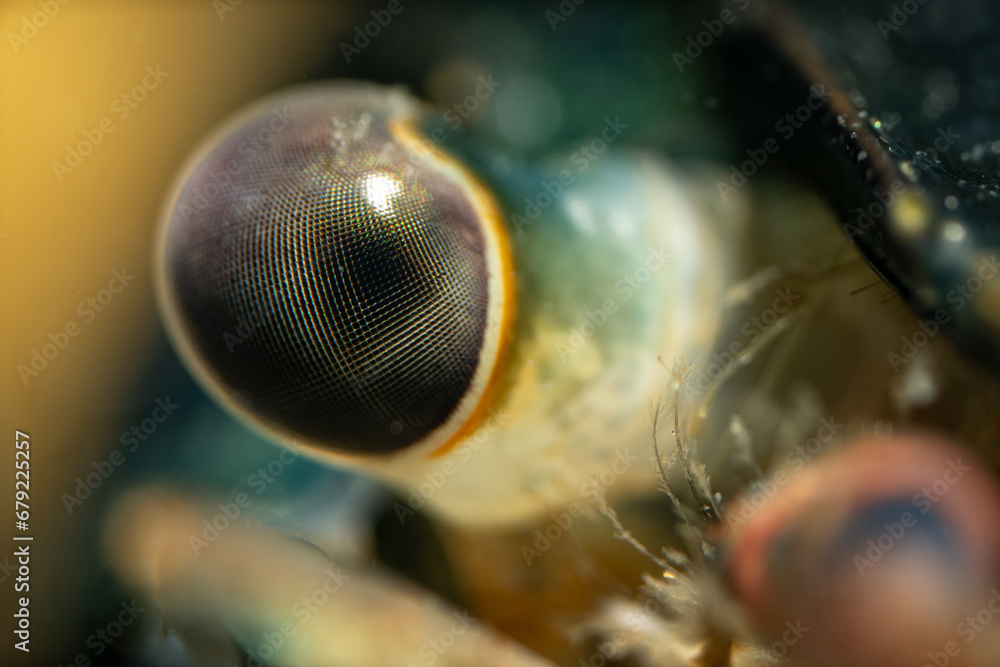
{"x":68,"y":78}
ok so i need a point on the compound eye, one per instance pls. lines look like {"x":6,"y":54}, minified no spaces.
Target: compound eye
{"x":335,"y":280}
{"x":880,"y":548}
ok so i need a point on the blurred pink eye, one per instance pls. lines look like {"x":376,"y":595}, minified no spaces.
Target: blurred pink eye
{"x":882,"y":550}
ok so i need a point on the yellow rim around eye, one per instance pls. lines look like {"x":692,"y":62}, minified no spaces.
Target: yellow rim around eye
{"x":489,"y":378}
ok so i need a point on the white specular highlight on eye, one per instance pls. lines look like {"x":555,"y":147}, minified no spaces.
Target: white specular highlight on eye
{"x":380,"y":191}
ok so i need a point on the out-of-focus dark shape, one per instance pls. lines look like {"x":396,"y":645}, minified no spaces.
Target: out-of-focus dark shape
{"x":908,"y":149}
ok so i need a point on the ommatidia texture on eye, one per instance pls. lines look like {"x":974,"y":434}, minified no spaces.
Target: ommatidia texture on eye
{"x":344,"y":283}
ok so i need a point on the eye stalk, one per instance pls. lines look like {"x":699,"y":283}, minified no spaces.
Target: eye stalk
{"x":332,"y":280}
